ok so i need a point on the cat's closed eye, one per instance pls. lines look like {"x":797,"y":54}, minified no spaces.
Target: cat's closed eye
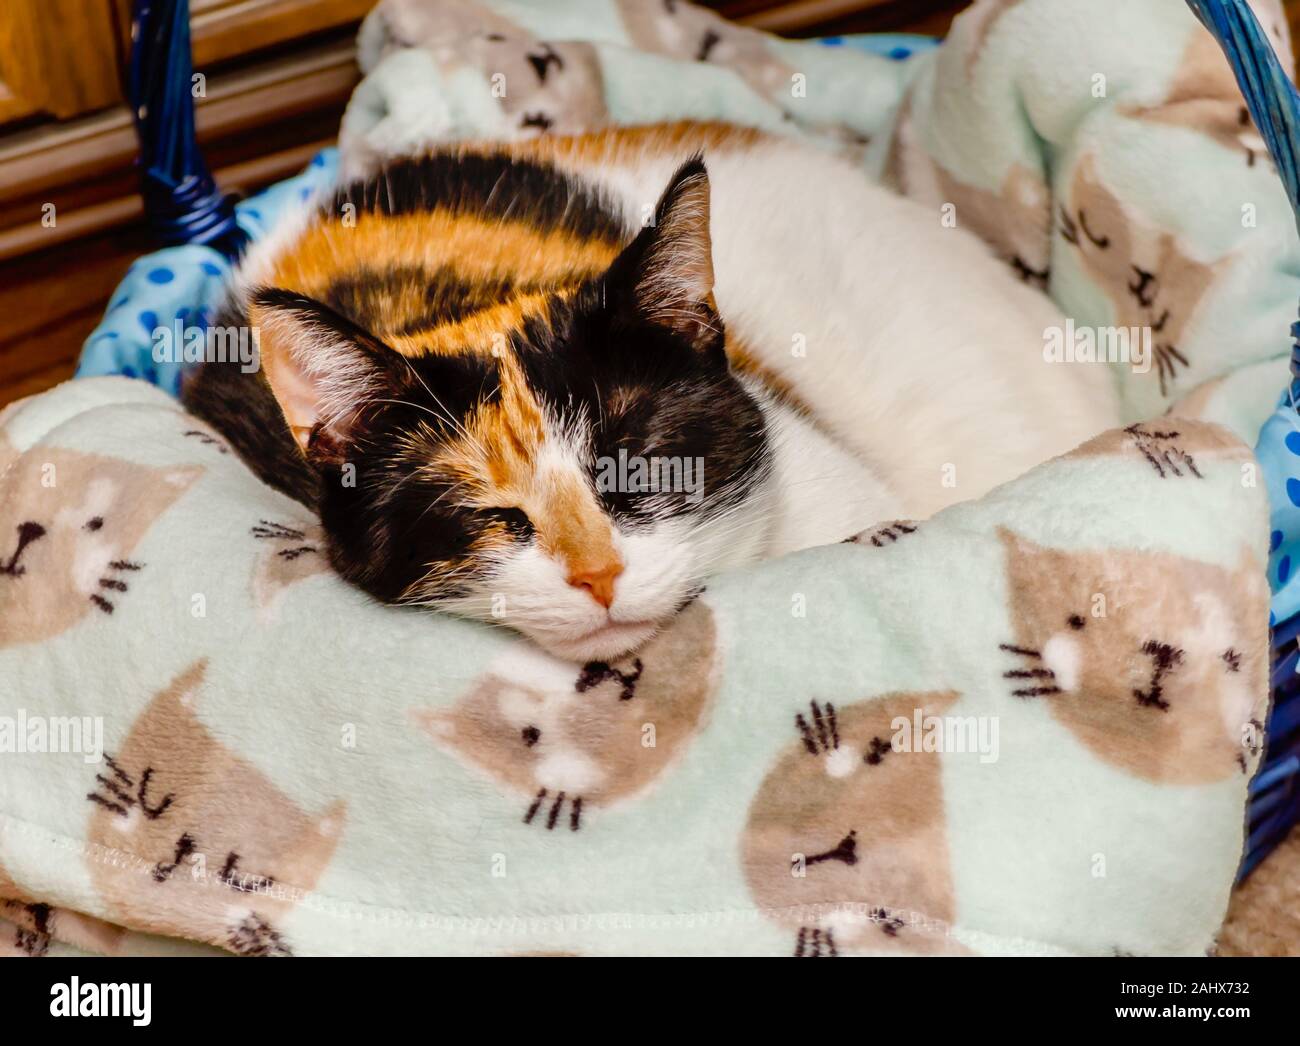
{"x":1098,"y":240}
{"x":1232,"y":659}
{"x":95,"y":523}
{"x":515,"y":520}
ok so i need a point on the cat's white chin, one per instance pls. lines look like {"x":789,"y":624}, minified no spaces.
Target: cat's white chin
{"x":608,"y":641}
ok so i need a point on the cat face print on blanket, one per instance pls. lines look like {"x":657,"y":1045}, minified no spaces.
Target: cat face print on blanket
{"x":192,"y":840}
{"x":542,"y":86}
{"x":28,"y":926}
{"x":1015,"y":219}
{"x":972,"y":28}
{"x":291,"y":552}
{"x":691,"y":33}
{"x":1204,"y":95}
{"x":687,"y":31}
{"x":1147,"y":274}
{"x":1172,"y":447}
{"x":846,"y":840}
{"x":1157,"y":664}
{"x":567,"y":739}
{"x":69,"y":526}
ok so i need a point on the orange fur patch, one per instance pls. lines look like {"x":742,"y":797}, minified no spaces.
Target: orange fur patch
{"x":474,"y":248}
{"x":624,"y":144}
{"x":496,"y":459}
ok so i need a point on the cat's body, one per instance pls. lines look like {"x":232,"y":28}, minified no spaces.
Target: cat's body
{"x":542,"y":306}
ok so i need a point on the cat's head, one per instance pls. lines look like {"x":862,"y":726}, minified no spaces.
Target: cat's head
{"x":569,"y":462}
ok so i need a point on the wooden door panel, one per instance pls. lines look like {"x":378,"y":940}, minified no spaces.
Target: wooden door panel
{"x":58,"y":58}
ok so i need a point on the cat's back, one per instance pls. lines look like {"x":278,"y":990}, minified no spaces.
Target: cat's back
{"x":426,"y":242}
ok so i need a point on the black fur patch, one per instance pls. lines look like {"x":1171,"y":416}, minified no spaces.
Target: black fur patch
{"x":493,"y":185}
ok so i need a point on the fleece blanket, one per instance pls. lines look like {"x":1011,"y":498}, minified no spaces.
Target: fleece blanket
{"x":1023,"y":726}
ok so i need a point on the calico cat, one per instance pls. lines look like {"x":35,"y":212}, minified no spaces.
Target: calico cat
{"x":455,"y":350}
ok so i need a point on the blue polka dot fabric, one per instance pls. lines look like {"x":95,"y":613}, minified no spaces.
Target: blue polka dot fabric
{"x":897,"y":46}
{"x":1278,"y":451}
{"x":1275,"y":791}
{"x":169,"y":295}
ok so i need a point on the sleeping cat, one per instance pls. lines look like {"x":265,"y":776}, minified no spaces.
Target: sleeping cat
{"x":480,"y":365}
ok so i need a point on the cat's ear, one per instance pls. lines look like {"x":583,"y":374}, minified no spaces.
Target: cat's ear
{"x":322,"y":367}
{"x":666,"y":273}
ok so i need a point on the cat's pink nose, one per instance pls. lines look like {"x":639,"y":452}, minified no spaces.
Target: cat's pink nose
{"x":598,"y":580}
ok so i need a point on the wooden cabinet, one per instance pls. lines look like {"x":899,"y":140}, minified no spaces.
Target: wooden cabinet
{"x":277,"y":75}
{"x":58,"y":58}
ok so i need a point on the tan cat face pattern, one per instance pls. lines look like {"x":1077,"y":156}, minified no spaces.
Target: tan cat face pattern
{"x":569,"y":738}
{"x":291,"y":552}
{"x":974,"y":25}
{"x":1157,"y":664}
{"x":846,"y":840}
{"x":1016,"y":220}
{"x":691,"y":33}
{"x":189,"y":839}
{"x":1204,"y":95}
{"x":542,"y":86}
{"x":69,"y":525}
{"x":1145,"y":273}
{"x":687,"y":31}
{"x":27,"y":926}
{"x":1174,"y":447}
